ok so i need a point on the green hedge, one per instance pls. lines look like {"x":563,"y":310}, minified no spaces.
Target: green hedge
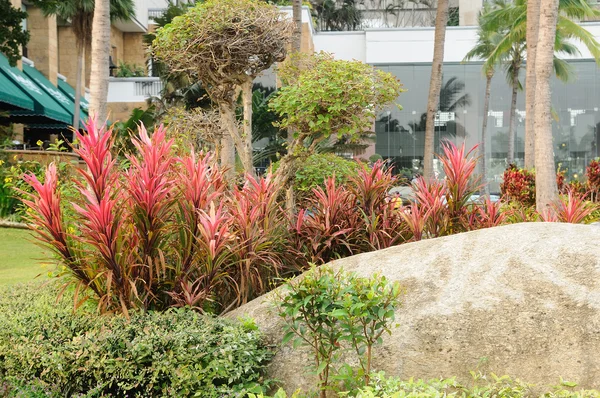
{"x":45,"y":347}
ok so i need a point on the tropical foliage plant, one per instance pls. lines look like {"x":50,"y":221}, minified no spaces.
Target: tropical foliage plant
{"x":162,"y":232}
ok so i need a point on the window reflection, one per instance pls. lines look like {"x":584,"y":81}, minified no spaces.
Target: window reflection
{"x":576,"y":119}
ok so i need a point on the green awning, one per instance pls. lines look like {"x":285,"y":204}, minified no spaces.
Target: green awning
{"x":11,"y":96}
{"x":63,"y":99}
{"x":46,"y":109}
{"x":70,"y":92}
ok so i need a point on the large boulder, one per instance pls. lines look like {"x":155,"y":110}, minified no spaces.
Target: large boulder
{"x":521,"y":299}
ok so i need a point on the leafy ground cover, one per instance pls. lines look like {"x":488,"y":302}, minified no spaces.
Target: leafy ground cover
{"x":48,"y":349}
{"x":21,"y":260}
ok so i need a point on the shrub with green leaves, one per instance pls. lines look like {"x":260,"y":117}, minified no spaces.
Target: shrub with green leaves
{"x":46,"y":346}
{"x":333,"y":311}
{"x":317,"y":168}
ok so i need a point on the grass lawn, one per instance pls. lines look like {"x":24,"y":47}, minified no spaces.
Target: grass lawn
{"x":21,"y":260}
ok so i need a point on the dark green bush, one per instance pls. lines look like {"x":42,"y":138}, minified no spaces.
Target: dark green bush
{"x":44,"y":343}
{"x":317,"y":168}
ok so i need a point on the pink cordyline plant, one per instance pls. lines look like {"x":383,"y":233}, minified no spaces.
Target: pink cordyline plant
{"x":430,"y":199}
{"x":327,"y":230}
{"x":571,"y":208}
{"x":47,"y":221}
{"x":383,"y":227}
{"x":258,"y":223}
{"x":152,"y":236}
{"x":459,"y":167}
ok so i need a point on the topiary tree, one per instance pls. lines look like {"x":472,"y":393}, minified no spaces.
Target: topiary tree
{"x":325,"y":98}
{"x":225,"y":44}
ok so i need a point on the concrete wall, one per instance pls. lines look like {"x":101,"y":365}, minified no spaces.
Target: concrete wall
{"x":134,"y":49}
{"x":468,"y":12}
{"x":414,"y":45}
{"x":42,"y":48}
{"x":116,"y":43}
{"x":121,"y":111}
{"x":67,"y":56}
{"x":344,"y":45}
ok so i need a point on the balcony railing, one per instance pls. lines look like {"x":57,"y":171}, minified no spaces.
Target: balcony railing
{"x":156,"y":12}
{"x":133,"y":89}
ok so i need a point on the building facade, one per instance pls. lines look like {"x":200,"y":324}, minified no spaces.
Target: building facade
{"x":407,"y":54}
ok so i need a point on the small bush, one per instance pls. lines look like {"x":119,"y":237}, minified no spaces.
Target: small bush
{"x":331,"y":311}
{"x":317,"y":168}
{"x":518,"y":185}
{"x":593,"y":177}
{"x":46,"y":347}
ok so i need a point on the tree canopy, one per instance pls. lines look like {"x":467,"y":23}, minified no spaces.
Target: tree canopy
{"x":224,"y":43}
{"x":333,"y":97}
{"x":12,"y":34}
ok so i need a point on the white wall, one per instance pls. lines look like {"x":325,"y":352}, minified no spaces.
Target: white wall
{"x":413,"y":45}
{"x":344,"y":45}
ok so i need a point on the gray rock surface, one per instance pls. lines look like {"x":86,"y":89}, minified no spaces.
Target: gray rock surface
{"x":521,"y":299}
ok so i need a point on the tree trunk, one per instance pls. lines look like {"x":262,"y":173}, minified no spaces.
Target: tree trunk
{"x":435,"y":85}
{"x":77,"y":110}
{"x":100,"y":56}
{"x":512,"y":128}
{"x":482,"y":156}
{"x":245,"y":151}
{"x":228,"y":156}
{"x":533,"y":12}
{"x":296,"y":47}
{"x":545,"y":174}
{"x":297,"y":35}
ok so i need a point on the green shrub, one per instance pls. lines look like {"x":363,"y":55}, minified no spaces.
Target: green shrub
{"x":331,"y":311}
{"x":46,"y":346}
{"x":317,"y":168}
{"x":129,"y":70}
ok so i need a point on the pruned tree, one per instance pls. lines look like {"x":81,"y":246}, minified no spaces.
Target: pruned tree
{"x":225,"y":44}
{"x":197,"y":127}
{"x":323,"y":98}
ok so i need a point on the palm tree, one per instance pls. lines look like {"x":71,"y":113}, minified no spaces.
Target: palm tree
{"x":450,"y":101}
{"x":297,"y":35}
{"x":545,"y":175}
{"x":80,"y":14}
{"x":486,"y":42}
{"x":100,"y":60}
{"x":441,"y":20}
{"x":512,"y":20}
{"x":533,"y":12}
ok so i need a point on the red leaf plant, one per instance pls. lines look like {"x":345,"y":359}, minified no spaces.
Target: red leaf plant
{"x":382,"y":226}
{"x":258,"y":222}
{"x":150,"y":236}
{"x":518,"y":185}
{"x":328,"y":229}
{"x":570,"y":208}
{"x":486,"y":214}
{"x":592,"y":173}
{"x":430,"y":204}
{"x":459,"y":166}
